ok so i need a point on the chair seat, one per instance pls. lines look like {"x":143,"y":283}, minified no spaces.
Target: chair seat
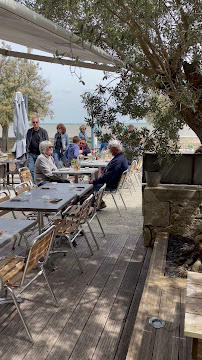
{"x":11,"y":269}
{"x":64,"y":226}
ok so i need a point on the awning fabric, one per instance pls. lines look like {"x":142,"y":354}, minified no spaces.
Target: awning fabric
{"x":20,"y":25}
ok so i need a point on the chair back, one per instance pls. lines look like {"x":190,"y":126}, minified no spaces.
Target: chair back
{"x":139,"y":165}
{"x":39,"y":251}
{"x":85,"y":208}
{"x":132,"y":166}
{"x":22,"y":187}
{"x":99,"y":196}
{"x":25,"y":175}
{"x":3,"y":197}
{"x":122,"y":179}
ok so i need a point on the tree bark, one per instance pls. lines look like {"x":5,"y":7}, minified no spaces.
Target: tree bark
{"x":4,"y":138}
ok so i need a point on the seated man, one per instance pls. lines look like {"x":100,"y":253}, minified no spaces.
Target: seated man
{"x":73,"y":151}
{"x":45,"y":165}
{"x":84,"y":146}
{"x":113,"y":170}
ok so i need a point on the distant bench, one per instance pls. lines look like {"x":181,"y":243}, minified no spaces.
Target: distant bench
{"x":193,"y":313}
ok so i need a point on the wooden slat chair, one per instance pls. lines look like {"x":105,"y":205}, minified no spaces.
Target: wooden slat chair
{"x":74,"y":211}
{"x":26,"y":176}
{"x":14,"y":270}
{"x":118,"y":190}
{"x":138,"y":171}
{"x":3,"y":197}
{"x":71,"y":228}
{"x":131,"y":172}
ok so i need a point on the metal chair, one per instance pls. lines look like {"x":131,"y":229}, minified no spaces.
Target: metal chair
{"x":26,"y":176}
{"x":4,"y":197}
{"x":14,"y":270}
{"x":71,"y":228}
{"x":122,"y":181}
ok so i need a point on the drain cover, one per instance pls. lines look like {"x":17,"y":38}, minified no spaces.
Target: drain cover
{"x":156,"y":322}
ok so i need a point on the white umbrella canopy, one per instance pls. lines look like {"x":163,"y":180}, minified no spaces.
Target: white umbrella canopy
{"x":20,"y":126}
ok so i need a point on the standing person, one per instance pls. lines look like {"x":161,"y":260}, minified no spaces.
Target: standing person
{"x":61,"y":143}
{"x":35,"y":136}
{"x":84,"y":146}
{"x":73,"y":151}
{"x":83,"y":132}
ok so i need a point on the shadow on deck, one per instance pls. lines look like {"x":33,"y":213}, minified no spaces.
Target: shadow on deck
{"x":97,"y":309}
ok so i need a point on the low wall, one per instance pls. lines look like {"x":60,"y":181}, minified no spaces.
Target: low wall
{"x":175,"y":209}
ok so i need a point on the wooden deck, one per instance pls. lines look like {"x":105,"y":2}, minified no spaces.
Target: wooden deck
{"x":97,"y":309}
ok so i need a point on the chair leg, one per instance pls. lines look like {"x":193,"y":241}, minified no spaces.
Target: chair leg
{"x":75,"y":254}
{"x":51,"y":291}
{"x":116,"y":203}
{"x":90,"y":248}
{"x":20,"y":313}
{"x":92,"y":233}
{"x":100,"y":224}
{"x":122,"y":200}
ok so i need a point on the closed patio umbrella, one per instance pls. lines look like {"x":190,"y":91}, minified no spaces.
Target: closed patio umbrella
{"x":20,"y":127}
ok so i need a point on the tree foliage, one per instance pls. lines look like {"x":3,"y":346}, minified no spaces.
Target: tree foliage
{"x":22,"y":75}
{"x":159,"y":45}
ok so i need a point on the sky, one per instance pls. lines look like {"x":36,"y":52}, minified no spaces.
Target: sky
{"x":65,"y":88}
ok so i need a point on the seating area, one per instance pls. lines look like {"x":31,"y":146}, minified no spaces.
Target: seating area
{"x":90,"y":304}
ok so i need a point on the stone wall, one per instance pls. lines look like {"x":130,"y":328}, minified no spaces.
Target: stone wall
{"x":176,"y":209}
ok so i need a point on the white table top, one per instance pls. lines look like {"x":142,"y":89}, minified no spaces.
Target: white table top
{"x":94,"y":163}
{"x":72,"y":171}
{"x":12,"y":228}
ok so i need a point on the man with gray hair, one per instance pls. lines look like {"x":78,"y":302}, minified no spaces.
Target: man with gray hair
{"x":113,"y":170}
{"x":45,"y":165}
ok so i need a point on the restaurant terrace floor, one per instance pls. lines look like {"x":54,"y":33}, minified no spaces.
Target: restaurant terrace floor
{"x":97,"y":309}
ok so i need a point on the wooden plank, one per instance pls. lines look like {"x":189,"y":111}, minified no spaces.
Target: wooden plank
{"x":40,"y":314}
{"x":158,"y":260}
{"x":93,"y":329}
{"x":70,"y":292}
{"x":80,"y":316}
{"x":107,"y":344}
{"x":193,"y":325}
{"x":128,"y":325}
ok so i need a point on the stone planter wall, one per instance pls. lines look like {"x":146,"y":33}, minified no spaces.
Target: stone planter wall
{"x":176,"y":209}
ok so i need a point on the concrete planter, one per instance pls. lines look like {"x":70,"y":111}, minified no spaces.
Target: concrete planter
{"x":153,"y":178}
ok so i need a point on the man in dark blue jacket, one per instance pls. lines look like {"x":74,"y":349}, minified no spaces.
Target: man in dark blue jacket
{"x":35,"y":136}
{"x":114,"y":169}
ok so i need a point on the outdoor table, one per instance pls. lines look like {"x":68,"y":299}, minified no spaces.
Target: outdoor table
{"x":100,"y":164}
{"x":76,"y":173}
{"x":6,"y":162}
{"x":36,"y":202}
{"x":12,"y":228}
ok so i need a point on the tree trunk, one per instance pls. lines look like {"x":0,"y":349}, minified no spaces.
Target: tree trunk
{"x":193,"y":120}
{"x":4,"y":139}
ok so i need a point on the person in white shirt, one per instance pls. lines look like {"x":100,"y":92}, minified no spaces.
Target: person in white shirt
{"x":45,"y":165}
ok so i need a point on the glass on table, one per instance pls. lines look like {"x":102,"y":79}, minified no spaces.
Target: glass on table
{"x":28,"y":195}
{"x":46,"y":198}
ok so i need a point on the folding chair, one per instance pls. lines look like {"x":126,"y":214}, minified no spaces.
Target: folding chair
{"x":14,"y":270}
{"x":118,"y":190}
{"x":71,"y":228}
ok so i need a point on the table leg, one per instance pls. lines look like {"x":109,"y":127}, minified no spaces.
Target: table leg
{"x":76,"y":179}
{"x":197,"y":349}
{"x":40,"y":221}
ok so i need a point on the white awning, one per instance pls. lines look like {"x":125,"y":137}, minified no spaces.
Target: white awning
{"x":20,"y":25}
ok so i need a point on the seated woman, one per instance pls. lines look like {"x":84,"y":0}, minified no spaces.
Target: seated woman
{"x":45,"y":165}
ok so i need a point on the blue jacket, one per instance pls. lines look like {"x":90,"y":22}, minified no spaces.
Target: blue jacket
{"x":72,"y":152}
{"x":64,"y":139}
{"x":113,"y":172}
{"x":83,"y":134}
